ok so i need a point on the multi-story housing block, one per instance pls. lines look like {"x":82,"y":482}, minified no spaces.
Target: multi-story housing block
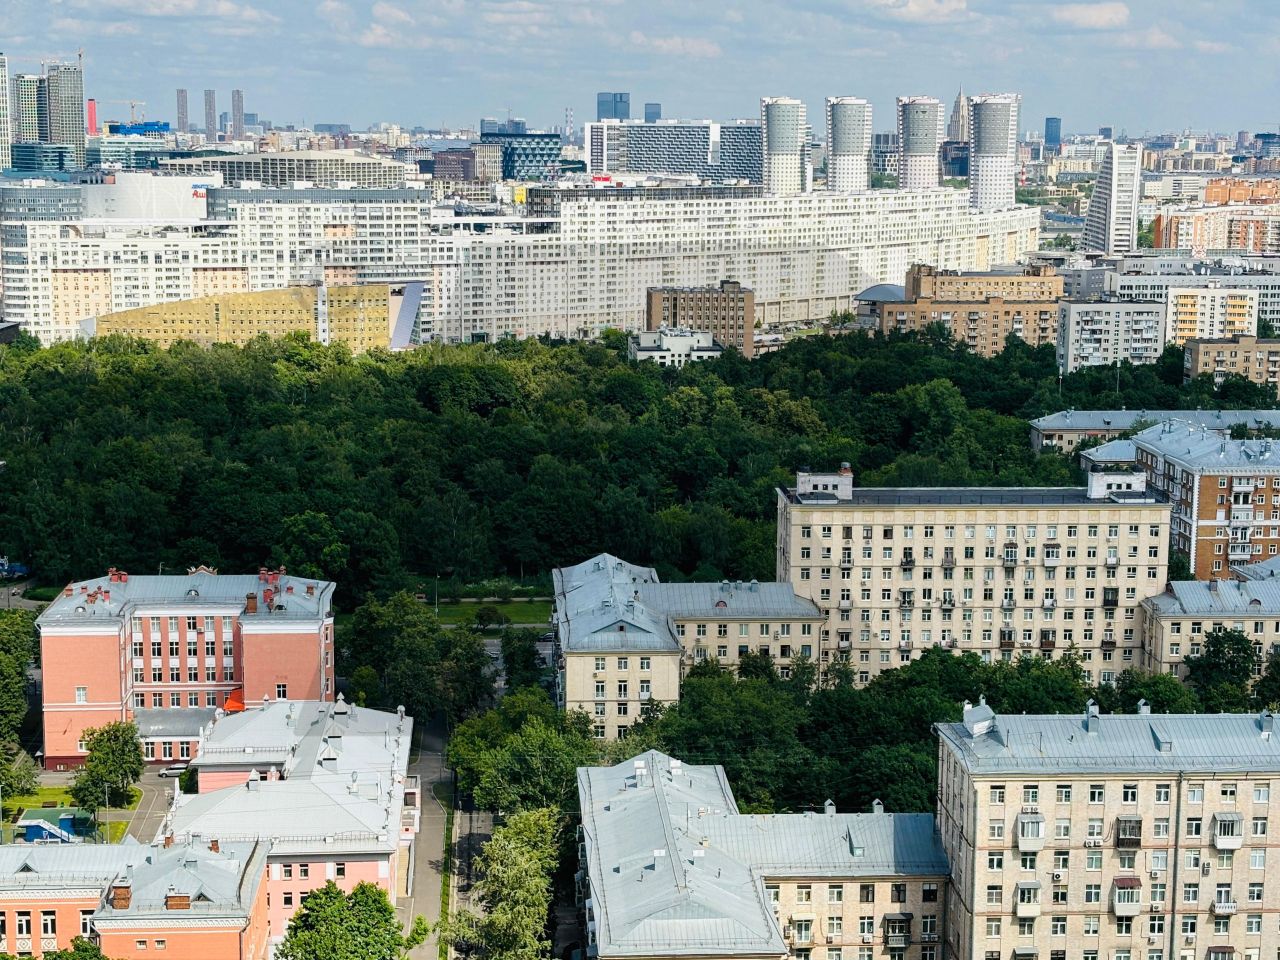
{"x":1211,"y":311}
{"x":623,"y":638}
{"x":320,"y":168}
{"x":1225,"y":494}
{"x":1066,"y":429}
{"x":324,"y":784}
{"x":995,"y":571}
{"x":1256,"y":359}
{"x":720,"y":884}
{"x":1204,"y":295}
{"x":1101,"y":333}
{"x":1139,"y":836}
{"x":1174,"y":622}
{"x":726,"y":311}
{"x":168,"y":651}
{"x":698,"y":148}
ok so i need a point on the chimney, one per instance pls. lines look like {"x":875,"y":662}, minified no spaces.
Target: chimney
{"x":250,"y":603}
{"x":168,"y":840}
{"x":311,"y":589}
{"x":1091,"y":719}
{"x":106,"y":596}
{"x":252,"y":782}
{"x":1267,"y":721}
{"x":214,"y":847}
{"x":1144,"y":708}
{"x":845,"y":469}
{"x":268,"y":595}
{"x":122,"y":893}
{"x":288,"y":588}
{"x":67,"y":591}
{"x":262,"y":574}
{"x":877,"y":806}
{"x":177,"y":901}
{"x":829,"y":808}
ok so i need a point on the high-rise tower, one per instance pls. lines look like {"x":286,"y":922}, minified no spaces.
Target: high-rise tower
{"x":64,"y":84}
{"x":30,"y":120}
{"x":1052,"y":134}
{"x":784,"y":129}
{"x":919,"y":139}
{"x":1111,"y":224}
{"x":993,"y":150}
{"x":210,"y":116}
{"x":6,"y":129}
{"x":848,"y":144}
{"x":958,"y":125}
{"x":237,"y":114}
{"x":183,"y":125}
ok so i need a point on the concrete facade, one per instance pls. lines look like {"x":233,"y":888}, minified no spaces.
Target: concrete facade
{"x":1255,"y":359}
{"x":726,"y":311}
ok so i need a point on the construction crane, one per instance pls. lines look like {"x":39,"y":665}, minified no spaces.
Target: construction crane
{"x":133,"y":106}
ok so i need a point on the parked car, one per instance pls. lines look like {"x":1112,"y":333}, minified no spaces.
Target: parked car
{"x":174,"y":770}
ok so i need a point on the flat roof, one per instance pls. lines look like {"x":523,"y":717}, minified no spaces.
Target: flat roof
{"x":967,"y":496}
{"x":1128,"y":419}
{"x":1196,"y":447}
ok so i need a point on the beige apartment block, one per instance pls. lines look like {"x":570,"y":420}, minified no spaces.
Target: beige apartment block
{"x":721,"y":884}
{"x":1174,"y":623}
{"x":1255,"y":359}
{"x":1146,"y":837}
{"x":624,"y":639}
{"x":1211,"y":312}
{"x":727,"y":312}
{"x":983,"y":326}
{"x":1030,"y":284}
{"x":999,"y":572}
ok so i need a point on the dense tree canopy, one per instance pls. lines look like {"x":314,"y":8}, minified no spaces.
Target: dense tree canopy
{"x":360,"y":925}
{"x":113,"y":765}
{"x":508,"y":459}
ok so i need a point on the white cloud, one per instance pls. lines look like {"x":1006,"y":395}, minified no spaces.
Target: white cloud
{"x":923,"y":11}
{"x":388,"y":13}
{"x":676,"y":45}
{"x":114,"y":28}
{"x":336,"y":13}
{"x":1212,"y":46}
{"x":217,"y":9}
{"x":1153,"y":38}
{"x":1091,"y":16}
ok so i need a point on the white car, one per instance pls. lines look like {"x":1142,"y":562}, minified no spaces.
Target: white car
{"x":174,"y":770}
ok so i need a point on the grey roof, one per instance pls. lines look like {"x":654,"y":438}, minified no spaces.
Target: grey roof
{"x":884,"y":292}
{"x":1121,"y":420}
{"x":117,"y":597}
{"x":1116,"y":743}
{"x":1111,"y":452}
{"x":185,"y":722}
{"x":1194,"y":447}
{"x":606,"y":605}
{"x":1217,"y":598}
{"x":963,"y":496}
{"x":1262,"y":570}
{"x":221,"y":883}
{"x":41,"y":866}
{"x":675,"y":870}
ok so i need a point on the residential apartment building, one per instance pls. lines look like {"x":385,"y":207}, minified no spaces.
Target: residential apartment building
{"x":1140,"y":836}
{"x":584,"y":265}
{"x":1030,"y":284}
{"x":201,"y":899}
{"x":343,"y":768}
{"x":1065,"y":429}
{"x":1257,"y":360}
{"x":318,"y":168}
{"x":168,"y":651}
{"x":1247,"y":228}
{"x":994,"y":571}
{"x":1101,"y":333}
{"x":721,"y":884}
{"x":1174,"y":622}
{"x":1204,"y":297}
{"x":1225,"y":494}
{"x":920,"y":128}
{"x":1210,"y":312}
{"x":363,"y":316}
{"x":694,"y":148}
{"x":726,"y":311}
{"x":673,"y":347}
{"x":1111,"y":224}
{"x":623,"y":638}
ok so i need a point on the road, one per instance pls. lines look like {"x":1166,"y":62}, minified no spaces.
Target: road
{"x":428,"y":854}
{"x":145,"y":819}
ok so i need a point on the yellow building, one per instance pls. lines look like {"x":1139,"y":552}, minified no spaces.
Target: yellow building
{"x":1209,"y":313}
{"x":357,"y":315}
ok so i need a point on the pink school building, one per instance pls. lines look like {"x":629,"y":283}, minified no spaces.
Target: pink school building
{"x":169,"y":651}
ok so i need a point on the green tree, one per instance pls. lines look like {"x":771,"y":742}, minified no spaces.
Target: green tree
{"x":81,"y":949}
{"x":360,"y":925}
{"x":366,"y":687}
{"x":465,"y":675}
{"x":486,"y":615}
{"x":514,"y":887}
{"x":521,"y":663}
{"x":535,"y":766}
{"x":1179,"y":567}
{"x":1223,"y":671}
{"x":18,"y":635}
{"x":112,"y":766}
{"x":1266,"y":689}
{"x":1163,"y":692}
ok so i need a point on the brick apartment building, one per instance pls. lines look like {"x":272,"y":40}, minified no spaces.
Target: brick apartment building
{"x":169,"y":651}
{"x":1254,"y":358}
{"x":727,"y":312}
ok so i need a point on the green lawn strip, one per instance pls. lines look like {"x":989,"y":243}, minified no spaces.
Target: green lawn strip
{"x":444,"y":793}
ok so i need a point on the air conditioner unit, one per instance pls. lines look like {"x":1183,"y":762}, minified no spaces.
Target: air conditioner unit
{"x":786,"y":932}
{"x":1188,"y":939}
{"x":1157,"y":907}
{"x":1155,"y":874}
{"x":866,"y":938}
{"x":1153,"y":939}
{"x":1204,"y":869}
{"x":1059,"y":875}
{"x":1030,"y":808}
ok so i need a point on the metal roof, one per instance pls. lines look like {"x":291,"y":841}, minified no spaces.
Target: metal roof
{"x":117,"y":597}
{"x":1048,"y":745}
{"x":219,"y":883}
{"x":729,"y":599}
{"x":1197,"y":448}
{"x":1262,"y":570}
{"x":1120,"y":420}
{"x":883,"y":293}
{"x":966,"y":496}
{"x":1111,"y":452}
{"x":182,"y":722}
{"x":675,"y":870}
{"x":1217,"y":598}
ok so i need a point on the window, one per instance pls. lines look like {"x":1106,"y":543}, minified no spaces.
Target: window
{"x":23,"y":923}
{"x":898,"y":893}
{"x":1031,"y":793}
{"x":304,"y":871}
{"x":139,"y":944}
{"x":1162,"y":793}
{"x":804,"y":893}
{"x":1064,"y":793}
{"x":1097,"y":793}
{"x":866,"y":893}
{"x":86,"y":923}
{"x":1058,"y":926}
{"x":771,"y":891}
{"x":1129,"y":793}
{"x":1195,"y":793}
{"x":288,"y":898}
{"x":995,"y":894}
{"x":162,"y":944}
{"x":929,"y":893}
{"x":340,"y":869}
{"x":995,"y":860}
{"x":835,"y":893}
{"x":997,"y":793}
{"x":1259,"y":826}
{"x":623,"y":663}
{"x":1093,"y":893}
{"x":644,"y":663}
{"x":282,"y":691}
{"x":48,"y":923}
{"x":286,"y":871}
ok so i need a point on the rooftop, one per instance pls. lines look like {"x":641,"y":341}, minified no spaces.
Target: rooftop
{"x":1121,"y":420}
{"x":1111,"y":452}
{"x":38,"y":866}
{"x":118,"y":596}
{"x":884,"y":293}
{"x":1262,"y":570}
{"x":676,"y":870}
{"x":1239,"y":598}
{"x":963,"y":497}
{"x":988,"y":743}
{"x":1196,"y":447}
{"x":192,"y":880}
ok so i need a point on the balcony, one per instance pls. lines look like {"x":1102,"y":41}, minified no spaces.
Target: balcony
{"x":900,"y":940}
{"x":948,"y":602}
{"x":1242,"y":485}
{"x":1008,"y":603}
{"x":1049,"y":603}
{"x":904,"y":644}
{"x":1030,"y":832}
{"x":1241,"y":517}
{"x":1052,"y":560}
{"x":844,"y":644}
{"x":1111,"y":597}
{"x":1223,"y":908}
{"x":1007,"y":641}
{"x":1028,"y":899}
{"x":1126,"y":897}
{"x":1128,"y":832}
{"x":948,"y":559}
{"x":907,"y":562}
{"x":1113,"y":561}
{"x":1228,"y":831}
{"x":906,"y":600}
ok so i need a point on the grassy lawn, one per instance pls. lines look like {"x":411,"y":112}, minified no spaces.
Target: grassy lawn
{"x":517,"y":611}
{"x":59,"y":796}
{"x":116,"y":831}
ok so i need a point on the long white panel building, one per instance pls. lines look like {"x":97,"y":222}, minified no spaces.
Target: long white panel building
{"x":575,"y":262}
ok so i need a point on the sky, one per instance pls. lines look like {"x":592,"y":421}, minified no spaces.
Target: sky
{"x":1140,"y":65}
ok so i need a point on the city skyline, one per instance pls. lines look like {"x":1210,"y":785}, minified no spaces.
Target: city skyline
{"x":1070,"y":59}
